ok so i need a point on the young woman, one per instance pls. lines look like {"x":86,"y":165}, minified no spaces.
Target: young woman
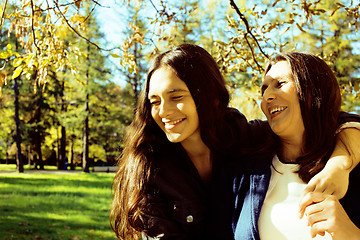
{"x":301,"y":101}
{"x":181,"y":142}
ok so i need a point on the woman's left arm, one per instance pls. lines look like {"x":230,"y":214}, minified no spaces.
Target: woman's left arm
{"x":334,"y":178}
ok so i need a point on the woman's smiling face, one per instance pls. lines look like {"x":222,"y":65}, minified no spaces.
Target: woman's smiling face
{"x":172,"y":106}
{"x":280,"y":101}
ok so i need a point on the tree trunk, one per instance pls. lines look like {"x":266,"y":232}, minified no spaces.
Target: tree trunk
{"x":62,"y":153}
{"x":72,"y":164}
{"x":85,"y":161}
{"x":135,"y":79}
{"x":19,"y":162}
{"x":86,"y":137}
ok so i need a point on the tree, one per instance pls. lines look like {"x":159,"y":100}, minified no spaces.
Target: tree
{"x":56,"y":37}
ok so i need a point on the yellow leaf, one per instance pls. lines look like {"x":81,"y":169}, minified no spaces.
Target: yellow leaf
{"x":284,"y":31}
{"x":8,"y":46}
{"x":356,"y":87}
{"x":78,"y":4}
{"x":4,"y":55}
{"x":17,"y":62}
{"x":114,"y":55}
{"x":17,"y":72}
{"x":66,"y":9}
{"x":299,"y":27}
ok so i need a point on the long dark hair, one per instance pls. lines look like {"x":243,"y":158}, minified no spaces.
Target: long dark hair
{"x":201,"y":74}
{"x":320,"y":102}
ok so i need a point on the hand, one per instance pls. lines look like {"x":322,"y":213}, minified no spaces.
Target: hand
{"x":334,"y":182}
{"x":333,"y":179}
{"x":325,"y":213}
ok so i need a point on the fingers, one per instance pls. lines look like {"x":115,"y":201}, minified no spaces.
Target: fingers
{"x":316,"y":215}
{"x":321,"y":185}
{"x":318,"y":228}
{"x":308,"y":199}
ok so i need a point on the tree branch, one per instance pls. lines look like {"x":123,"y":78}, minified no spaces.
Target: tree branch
{"x":90,"y":13}
{"x":252,"y":53}
{"x":154,"y":6}
{"x":242,"y":17}
{"x":75,"y":31}
{"x":32,"y":24}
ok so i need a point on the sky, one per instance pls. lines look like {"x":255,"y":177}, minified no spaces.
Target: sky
{"x":113,"y":20}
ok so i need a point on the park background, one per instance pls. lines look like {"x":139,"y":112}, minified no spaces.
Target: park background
{"x":71,"y":73}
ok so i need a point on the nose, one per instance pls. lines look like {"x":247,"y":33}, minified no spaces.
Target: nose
{"x":269,"y":95}
{"x":166,"y":109}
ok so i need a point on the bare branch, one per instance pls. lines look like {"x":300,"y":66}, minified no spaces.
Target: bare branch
{"x":154,"y":6}
{"x":79,"y":34}
{"x":252,"y":53}
{"x":52,"y":8}
{"x":90,"y":13}
{"x":242,"y":17}
{"x":32,"y":24}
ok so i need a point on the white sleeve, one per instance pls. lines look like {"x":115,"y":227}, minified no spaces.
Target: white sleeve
{"x":348,"y":125}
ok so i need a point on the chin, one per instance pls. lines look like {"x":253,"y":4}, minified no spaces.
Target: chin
{"x":173,"y":139}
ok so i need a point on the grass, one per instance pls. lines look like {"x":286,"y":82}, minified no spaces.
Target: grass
{"x":72,"y":205}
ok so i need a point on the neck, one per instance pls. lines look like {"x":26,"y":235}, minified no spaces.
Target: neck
{"x":291,"y":149}
{"x":199,"y":154}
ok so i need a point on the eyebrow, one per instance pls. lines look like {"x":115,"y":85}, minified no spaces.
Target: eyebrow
{"x":265,"y":86}
{"x":171,"y":91}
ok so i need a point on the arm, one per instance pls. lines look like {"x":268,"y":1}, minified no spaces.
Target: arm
{"x":325,"y":213}
{"x":334,"y":178}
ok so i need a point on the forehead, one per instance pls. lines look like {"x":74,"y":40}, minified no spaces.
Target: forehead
{"x":279,"y":70}
{"x":165,"y":80}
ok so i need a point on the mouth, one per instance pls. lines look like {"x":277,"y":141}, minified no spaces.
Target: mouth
{"x":171,"y":124}
{"x":276,"y":110}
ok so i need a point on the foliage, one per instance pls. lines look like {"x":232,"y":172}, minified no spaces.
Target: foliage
{"x":55,"y":206}
{"x":56,"y":46}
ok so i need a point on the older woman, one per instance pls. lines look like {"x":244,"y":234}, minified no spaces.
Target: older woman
{"x":301,"y":101}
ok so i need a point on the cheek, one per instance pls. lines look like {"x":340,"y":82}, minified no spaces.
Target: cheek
{"x":155,"y":115}
{"x":263,"y":106}
{"x":181,"y":106}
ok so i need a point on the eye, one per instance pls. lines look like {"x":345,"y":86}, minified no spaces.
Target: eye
{"x":177,"y":97}
{"x":154,"y":102}
{"x":280,"y":84}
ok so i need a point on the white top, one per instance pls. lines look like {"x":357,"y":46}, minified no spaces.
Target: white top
{"x":279,"y":216}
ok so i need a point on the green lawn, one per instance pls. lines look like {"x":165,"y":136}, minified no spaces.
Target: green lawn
{"x":70,"y":206}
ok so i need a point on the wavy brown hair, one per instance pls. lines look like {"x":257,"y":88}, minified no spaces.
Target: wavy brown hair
{"x":320,"y":102}
{"x":144,"y":138}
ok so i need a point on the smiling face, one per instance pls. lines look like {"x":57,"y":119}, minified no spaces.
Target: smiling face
{"x":172,"y":106}
{"x":280,"y":102}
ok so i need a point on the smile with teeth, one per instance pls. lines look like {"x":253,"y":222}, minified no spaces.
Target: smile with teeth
{"x":172,"y":124}
{"x":277,"y":109}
